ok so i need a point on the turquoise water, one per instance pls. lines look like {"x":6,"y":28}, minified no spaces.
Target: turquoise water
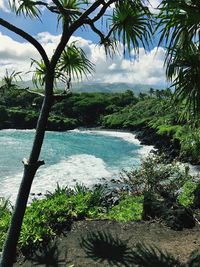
{"x":70,"y":157}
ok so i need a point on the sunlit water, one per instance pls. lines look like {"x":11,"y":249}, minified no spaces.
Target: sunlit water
{"x":71,"y":157}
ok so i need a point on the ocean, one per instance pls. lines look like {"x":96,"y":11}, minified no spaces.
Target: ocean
{"x":77,"y":156}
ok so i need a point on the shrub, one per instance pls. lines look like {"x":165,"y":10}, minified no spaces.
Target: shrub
{"x":47,"y":217}
{"x":5,"y":216}
{"x":186,"y":198}
{"x":190,"y":144}
{"x":128,"y":209}
{"x":155,"y":174}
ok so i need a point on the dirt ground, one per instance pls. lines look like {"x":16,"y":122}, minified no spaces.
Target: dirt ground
{"x":100,"y":243}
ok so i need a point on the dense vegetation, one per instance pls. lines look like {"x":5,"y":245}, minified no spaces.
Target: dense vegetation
{"x":153,"y":113}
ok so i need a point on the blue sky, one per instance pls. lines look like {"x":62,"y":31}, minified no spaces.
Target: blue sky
{"x":15,"y":53}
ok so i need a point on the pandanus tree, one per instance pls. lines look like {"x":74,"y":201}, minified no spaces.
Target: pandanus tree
{"x":179,"y":27}
{"x":127,"y":22}
{"x":9,"y":81}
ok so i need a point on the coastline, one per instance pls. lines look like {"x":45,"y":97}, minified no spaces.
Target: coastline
{"x":144,"y":136}
{"x":71,"y":168}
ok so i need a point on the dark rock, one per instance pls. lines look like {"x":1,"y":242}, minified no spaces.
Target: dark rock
{"x":196,"y":203}
{"x":152,"y":207}
{"x":179,"y":217}
{"x":176,"y":216}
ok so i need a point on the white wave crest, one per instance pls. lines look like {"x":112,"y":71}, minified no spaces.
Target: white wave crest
{"x":83,"y":169}
{"x":17,"y":130}
{"x":143,"y":150}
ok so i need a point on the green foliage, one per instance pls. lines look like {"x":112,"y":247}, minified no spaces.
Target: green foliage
{"x":5,"y":216}
{"x":128,"y":209}
{"x":155,"y":175}
{"x":3,"y":114}
{"x":169,"y":130}
{"x":190,"y":143}
{"x":178,"y":22}
{"x":131,"y":24}
{"x":45,"y":218}
{"x":186,"y":198}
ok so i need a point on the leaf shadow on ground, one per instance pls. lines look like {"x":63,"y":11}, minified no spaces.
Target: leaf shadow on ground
{"x":103,"y":248}
{"x":48,"y":256}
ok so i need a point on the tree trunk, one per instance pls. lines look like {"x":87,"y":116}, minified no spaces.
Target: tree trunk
{"x":30,"y":168}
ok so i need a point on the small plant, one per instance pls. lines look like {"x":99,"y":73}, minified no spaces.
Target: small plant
{"x":186,"y":198}
{"x":155,"y":174}
{"x":128,"y":209}
{"x":47,"y":217}
{"x":5,"y":215}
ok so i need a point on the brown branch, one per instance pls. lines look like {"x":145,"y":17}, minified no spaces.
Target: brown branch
{"x":85,"y":16}
{"x":92,"y":26}
{"x":66,"y":34}
{"x":80,"y":21}
{"x":103,"y":10}
{"x":102,"y":36}
{"x":27,"y":37}
{"x":65,"y":11}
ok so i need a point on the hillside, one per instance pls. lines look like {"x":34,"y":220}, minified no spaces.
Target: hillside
{"x":102,"y":87}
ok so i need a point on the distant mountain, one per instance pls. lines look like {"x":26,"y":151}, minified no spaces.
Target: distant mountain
{"x":103,"y":87}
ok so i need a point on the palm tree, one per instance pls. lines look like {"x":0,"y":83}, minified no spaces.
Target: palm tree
{"x":129,"y":23}
{"x":179,"y":25}
{"x":73,"y":64}
{"x":9,"y":81}
{"x":151,"y":92}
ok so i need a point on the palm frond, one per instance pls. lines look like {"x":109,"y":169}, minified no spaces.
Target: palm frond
{"x":39,"y":74}
{"x":178,"y":23}
{"x":74,"y":6}
{"x":28,"y":8}
{"x":131,"y":23}
{"x":184,"y":72}
{"x":74,"y":62}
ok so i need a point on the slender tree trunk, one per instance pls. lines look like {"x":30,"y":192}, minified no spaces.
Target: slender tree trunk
{"x":30,"y":168}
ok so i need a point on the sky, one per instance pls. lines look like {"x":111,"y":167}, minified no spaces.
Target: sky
{"x":15,"y":53}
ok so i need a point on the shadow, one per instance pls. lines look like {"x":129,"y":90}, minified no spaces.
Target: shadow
{"x":49,"y":256}
{"x":103,"y":247}
{"x":151,"y":256}
{"x":194,"y":259}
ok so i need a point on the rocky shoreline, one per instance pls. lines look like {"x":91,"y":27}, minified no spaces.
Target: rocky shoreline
{"x":163,"y":144}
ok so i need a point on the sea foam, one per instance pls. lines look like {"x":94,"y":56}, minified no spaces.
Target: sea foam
{"x":71,"y":158}
{"x":81,"y":169}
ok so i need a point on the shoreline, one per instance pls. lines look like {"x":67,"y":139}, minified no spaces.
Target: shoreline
{"x":145,"y":136}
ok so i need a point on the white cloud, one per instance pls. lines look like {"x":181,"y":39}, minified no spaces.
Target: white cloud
{"x":147,"y":69}
{"x":4,"y":5}
{"x":153,"y":4}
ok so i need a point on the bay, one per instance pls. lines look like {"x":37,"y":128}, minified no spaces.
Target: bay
{"x":71,"y":157}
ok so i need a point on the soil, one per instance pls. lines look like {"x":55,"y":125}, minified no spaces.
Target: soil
{"x":103,"y":243}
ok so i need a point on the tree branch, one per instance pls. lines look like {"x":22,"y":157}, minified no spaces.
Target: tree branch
{"x":65,"y":11}
{"x":27,"y":37}
{"x":80,"y":21}
{"x":92,"y":26}
{"x":103,"y":10}
{"x":102,"y":36}
{"x":66,"y":34}
{"x":83,"y":18}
